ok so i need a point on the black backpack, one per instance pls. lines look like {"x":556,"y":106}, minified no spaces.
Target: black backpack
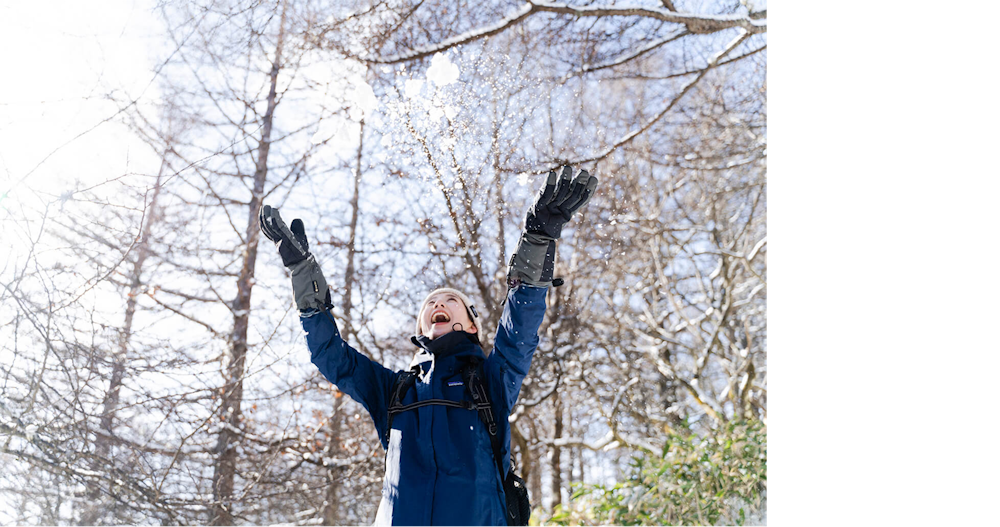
{"x":518,"y":505}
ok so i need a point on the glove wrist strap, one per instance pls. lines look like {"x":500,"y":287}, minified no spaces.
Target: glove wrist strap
{"x":308,"y":285}
{"x":533,"y":262}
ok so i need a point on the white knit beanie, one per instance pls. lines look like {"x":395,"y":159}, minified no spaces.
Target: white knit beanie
{"x":469,"y":308}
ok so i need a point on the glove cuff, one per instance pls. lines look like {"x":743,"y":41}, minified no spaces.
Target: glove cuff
{"x":533,"y":262}
{"x":308,"y":285}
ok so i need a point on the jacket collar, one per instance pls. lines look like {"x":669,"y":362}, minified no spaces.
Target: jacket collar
{"x":453,"y":343}
{"x":457,"y":344}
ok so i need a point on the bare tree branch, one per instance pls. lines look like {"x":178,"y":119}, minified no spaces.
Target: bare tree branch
{"x":699,"y":24}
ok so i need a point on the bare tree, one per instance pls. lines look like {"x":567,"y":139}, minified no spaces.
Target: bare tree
{"x":190,"y":399}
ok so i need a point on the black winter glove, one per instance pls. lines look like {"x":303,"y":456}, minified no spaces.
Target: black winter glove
{"x":557,"y":202}
{"x":308,"y":284}
{"x":533,"y":262}
{"x":293,"y":245}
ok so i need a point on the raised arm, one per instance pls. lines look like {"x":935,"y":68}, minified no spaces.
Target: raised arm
{"x":530,"y":275}
{"x":365,"y":380}
{"x":516,"y":340}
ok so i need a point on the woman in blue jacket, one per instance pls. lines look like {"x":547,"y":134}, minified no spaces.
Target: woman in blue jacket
{"x":440,"y":466}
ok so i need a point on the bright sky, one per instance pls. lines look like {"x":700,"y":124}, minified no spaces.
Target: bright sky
{"x":61,"y":59}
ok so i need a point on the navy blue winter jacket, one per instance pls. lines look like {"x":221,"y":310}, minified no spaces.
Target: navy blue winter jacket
{"x":439,"y":463}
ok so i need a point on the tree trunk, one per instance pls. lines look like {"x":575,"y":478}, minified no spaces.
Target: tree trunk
{"x":352,"y":242}
{"x":232,"y":394}
{"x":557,"y":430}
{"x":331,"y":503}
{"x":535,"y":483}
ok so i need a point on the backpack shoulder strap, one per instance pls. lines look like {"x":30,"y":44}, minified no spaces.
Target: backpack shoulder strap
{"x":473,"y":377}
{"x":398,"y":391}
{"x":403,"y":383}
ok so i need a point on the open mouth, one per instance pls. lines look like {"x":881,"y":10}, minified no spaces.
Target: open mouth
{"x":440,"y":317}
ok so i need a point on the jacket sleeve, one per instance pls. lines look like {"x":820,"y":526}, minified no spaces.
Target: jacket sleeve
{"x":365,"y":380}
{"x":516,"y":339}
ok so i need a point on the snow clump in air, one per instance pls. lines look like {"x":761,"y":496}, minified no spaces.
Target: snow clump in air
{"x":363,"y":97}
{"x":442,"y":71}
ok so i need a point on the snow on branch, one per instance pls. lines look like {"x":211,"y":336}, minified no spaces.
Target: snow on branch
{"x":694,"y":23}
{"x":57,"y":459}
{"x":699,"y":24}
{"x":464,"y":38}
{"x":598,"y":445}
{"x":756,"y":248}
{"x":612,"y":440}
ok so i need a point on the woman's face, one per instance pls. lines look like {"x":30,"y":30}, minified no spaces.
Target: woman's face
{"x":444,"y":313}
